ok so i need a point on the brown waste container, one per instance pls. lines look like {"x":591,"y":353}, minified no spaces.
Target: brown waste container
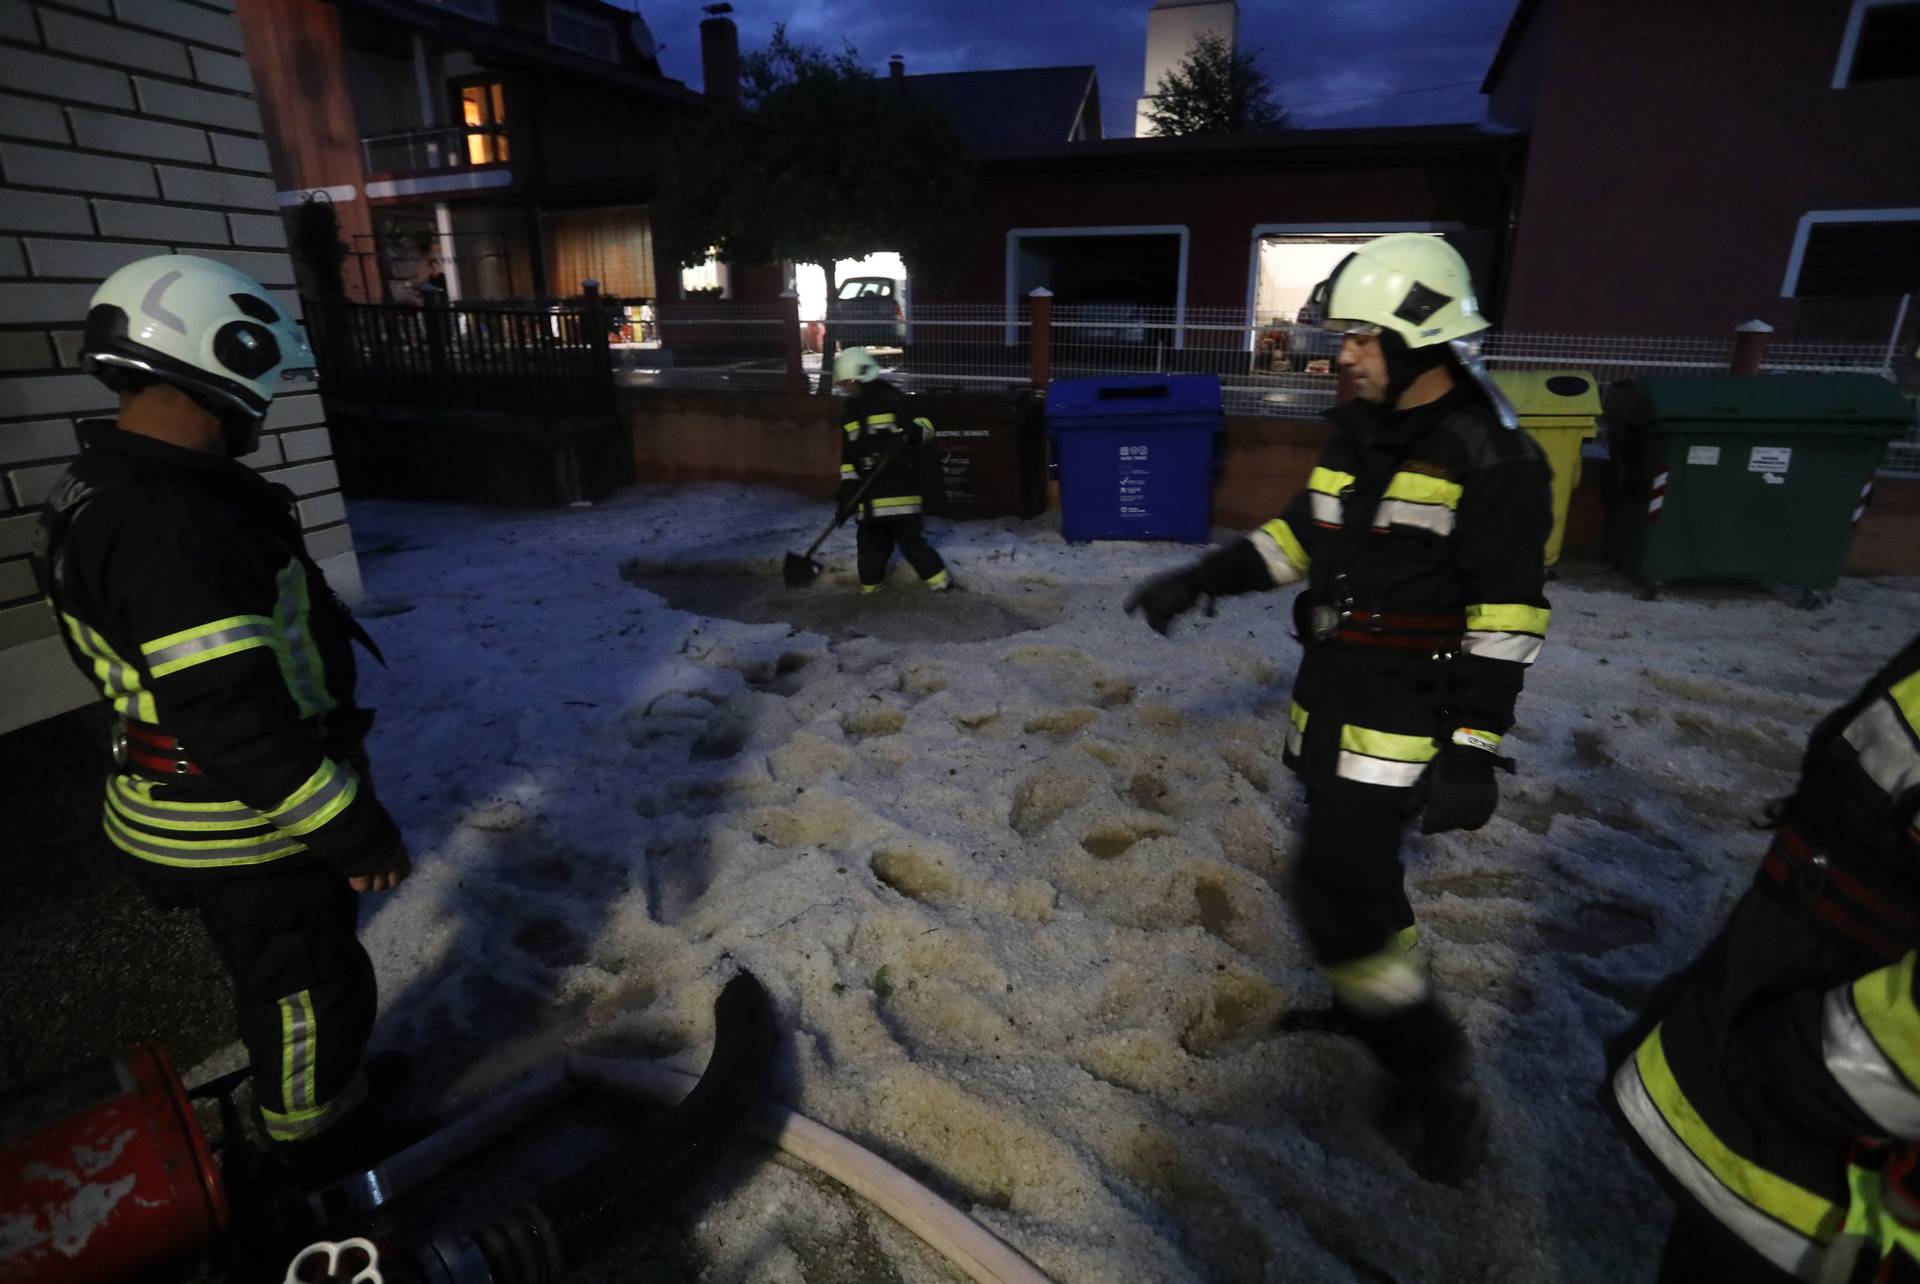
{"x":989,"y":456}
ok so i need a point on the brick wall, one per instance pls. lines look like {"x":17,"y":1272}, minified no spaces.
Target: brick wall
{"x":127,"y":128}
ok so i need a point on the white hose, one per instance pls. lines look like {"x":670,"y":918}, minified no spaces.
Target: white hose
{"x":473,"y":1131}
{"x":948,"y":1231}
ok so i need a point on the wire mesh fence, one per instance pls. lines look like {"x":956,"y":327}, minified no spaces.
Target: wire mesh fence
{"x":971,"y":347}
{"x":737,"y":346}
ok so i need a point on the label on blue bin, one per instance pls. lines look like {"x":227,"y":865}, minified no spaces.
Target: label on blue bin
{"x":1135,"y":478}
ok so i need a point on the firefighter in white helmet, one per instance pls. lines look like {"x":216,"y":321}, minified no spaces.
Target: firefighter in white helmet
{"x":1420,"y":539}
{"x":880,"y":433}
{"x":187,"y":593}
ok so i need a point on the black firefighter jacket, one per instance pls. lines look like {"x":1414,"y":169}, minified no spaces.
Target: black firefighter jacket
{"x":186,"y":593}
{"x":1422,"y":535}
{"x":879,"y":418}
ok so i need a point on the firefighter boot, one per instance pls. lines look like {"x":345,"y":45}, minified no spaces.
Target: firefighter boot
{"x":1438,"y":1118}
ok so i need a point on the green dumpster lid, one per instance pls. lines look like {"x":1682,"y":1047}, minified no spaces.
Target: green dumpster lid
{"x":1811,"y":400}
{"x":1550,"y":392}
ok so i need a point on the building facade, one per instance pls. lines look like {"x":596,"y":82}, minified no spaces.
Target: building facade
{"x":125,"y":130}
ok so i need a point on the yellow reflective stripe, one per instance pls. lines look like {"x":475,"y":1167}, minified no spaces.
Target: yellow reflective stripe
{"x":141,"y":791}
{"x":324,"y":795}
{"x":851,"y":429}
{"x":207,"y":854}
{"x":846,"y":470}
{"x":163,"y":817}
{"x":1393,"y":977}
{"x":1507,"y":617}
{"x":293,"y":1125}
{"x":1387,"y":744}
{"x":1418,"y":488}
{"x":297,"y":1037}
{"x":1328,"y":481}
{"x":1294,"y":551}
{"x":939,"y":579}
{"x":1884,"y":999}
{"x":204,"y":642}
{"x":898,"y":501}
{"x":1906,"y":694}
{"x":1779,"y":1198}
{"x":881,"y":420}
{"x":1297,"y":715}
{"x":119,"y":681}
{"x":293,"y":644}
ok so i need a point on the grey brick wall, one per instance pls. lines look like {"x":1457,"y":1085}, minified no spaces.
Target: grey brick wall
{"x":127,"y":128}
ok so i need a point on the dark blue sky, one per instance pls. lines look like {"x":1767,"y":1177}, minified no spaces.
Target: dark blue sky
{"x":1330,"y":59}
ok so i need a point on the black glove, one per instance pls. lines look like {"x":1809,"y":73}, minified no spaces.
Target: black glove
{"x":1165,"y":597}
{"x":1461,"y":793}
{"x":849,"y":487}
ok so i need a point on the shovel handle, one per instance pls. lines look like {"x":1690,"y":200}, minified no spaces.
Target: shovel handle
{"x":866,"y":484}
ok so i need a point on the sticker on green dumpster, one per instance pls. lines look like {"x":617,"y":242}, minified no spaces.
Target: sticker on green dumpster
{"x":1703,"y":454}
{"x":1770,"y":459}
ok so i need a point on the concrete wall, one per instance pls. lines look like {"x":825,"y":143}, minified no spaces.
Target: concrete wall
{"x":685,"y":436}
{"x":127,"y":128}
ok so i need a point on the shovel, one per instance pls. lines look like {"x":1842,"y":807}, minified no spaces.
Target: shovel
{"x":800,"y":569}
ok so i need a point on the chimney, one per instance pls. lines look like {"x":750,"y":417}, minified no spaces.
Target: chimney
{"x":897,"y":67}
{"x":720,"y":54}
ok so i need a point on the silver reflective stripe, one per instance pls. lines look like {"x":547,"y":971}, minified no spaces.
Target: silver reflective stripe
{"x":1880,"y":736}
{"x":297,"y":1031}
{"x":167,"y":655}
{"x":186,"y":854}
{"x":1296,"y":738}
{"x":239,"y":818}
{"x":1521,"y":648}
{"x":1780,"y":1244}
{"x":1383,"y":986}
{"x":1279,"y":566}
{"x":1437,"y":518}
{"x":1858,"y":1065}
{"x":1377,"y":771}
{"x":338,"y":783}
{"x":1326,"y":508}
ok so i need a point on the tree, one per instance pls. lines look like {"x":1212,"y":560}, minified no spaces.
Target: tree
{"x":822,"y":162}
{"x":318,"y":249}
{"x":1216,"y":90}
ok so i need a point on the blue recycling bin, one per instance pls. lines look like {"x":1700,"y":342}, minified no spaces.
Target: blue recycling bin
{"x":1135,"y":455}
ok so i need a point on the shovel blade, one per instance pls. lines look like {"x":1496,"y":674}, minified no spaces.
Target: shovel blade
{"x":800,"y":571}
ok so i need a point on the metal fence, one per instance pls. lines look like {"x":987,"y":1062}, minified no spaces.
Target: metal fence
{"x":965,"y":346}
{"x":727,"y":346}
{"x":531,"y":361}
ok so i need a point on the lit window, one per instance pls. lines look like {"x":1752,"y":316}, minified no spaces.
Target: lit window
{"x":483,"y":110}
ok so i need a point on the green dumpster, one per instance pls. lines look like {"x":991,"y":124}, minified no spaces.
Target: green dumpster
{"x":1753,"y":478}
{"x":1560,"y":409}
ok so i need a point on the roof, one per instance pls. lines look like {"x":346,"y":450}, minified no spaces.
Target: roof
{"x":1284,"y":149}
{"x":1019,"y":108}
{"x":1516,"y":28}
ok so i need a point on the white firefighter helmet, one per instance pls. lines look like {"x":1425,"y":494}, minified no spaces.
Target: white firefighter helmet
{"x":855,"y":365}
{"x":200,"y":325}
{"x":1416,"y":286}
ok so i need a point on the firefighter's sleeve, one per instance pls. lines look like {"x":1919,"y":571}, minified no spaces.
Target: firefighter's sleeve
{"x":1506,"y":513}
{"x":1870,"y":1042}
{"x":1266,"y":558}
{"x":227,"y":651}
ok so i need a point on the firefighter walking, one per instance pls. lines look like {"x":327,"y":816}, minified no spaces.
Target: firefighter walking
{"x":882,"y":434}
{"x":185,"y":591}
{"x":1774,"y":1085}
{"x":1420,"y":538}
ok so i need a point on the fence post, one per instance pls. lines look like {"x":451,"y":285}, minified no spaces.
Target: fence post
{"x":1749,"y":346}
{"x":790,"y":343}
{"x":1040,"y":331}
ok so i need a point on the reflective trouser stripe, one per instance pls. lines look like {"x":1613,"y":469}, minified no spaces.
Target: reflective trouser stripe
{"x":1783,"y":1222}
{"x":205,"y":642}
{"x":1520,"y":648}
{"x":1507,"y":617}
{"x":1418,"y":488}
{"x":939,"y":579}
{"x":206,"y":853}
{"x":1871,"y":1041}
{"x":899,"y":501}
{"x":1883,"y":736}
{"x":298,"y":1040}
{"x":1405,"y":512}
{"x":1281,"y":550}
{"x":871,"y":588}
{"x":1297,"y":728}
{"x":1383,"y":757}
{"x":1326,"y":509}
{"x":1384,"y":982}
{"x":847,"y":471}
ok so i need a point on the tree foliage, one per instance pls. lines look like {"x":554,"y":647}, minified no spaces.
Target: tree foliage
{"x":822,"y":162}
{"x":316,"y":246}
{"x":1216,"y":90}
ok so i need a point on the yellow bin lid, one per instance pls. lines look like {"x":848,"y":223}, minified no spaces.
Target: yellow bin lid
{"x":1558,"y":394}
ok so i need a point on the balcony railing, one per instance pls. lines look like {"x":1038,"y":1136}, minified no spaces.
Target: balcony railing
{"x":452,"y":147}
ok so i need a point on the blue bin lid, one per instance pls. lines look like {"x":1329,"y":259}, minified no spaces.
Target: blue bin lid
{"x":1129,"y":396}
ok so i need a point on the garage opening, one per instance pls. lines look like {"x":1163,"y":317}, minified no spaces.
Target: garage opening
{"x":1118,"y":292}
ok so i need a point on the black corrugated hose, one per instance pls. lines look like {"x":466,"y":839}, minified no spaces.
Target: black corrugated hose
{"x":580,"y":1216}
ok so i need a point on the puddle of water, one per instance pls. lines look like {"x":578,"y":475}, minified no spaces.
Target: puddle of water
{"x":903,"y":612}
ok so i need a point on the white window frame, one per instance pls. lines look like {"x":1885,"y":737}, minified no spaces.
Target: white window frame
{"x":1016,"y":234}
{"x":1850,"y":42}
{"x":1813,"y":218}
{"x":586,"y":20}
{"x":1263,"y":230}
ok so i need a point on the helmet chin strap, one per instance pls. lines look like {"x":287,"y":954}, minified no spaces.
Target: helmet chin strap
{"x":1405,"y":364}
